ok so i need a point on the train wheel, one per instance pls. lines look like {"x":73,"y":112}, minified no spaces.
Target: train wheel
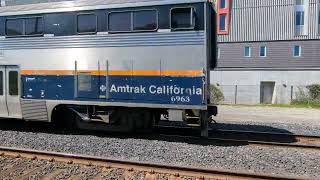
{"x":64,"y":118}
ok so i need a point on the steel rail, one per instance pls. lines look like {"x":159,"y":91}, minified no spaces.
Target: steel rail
{"x":298,"y":140}
{"x":271,"y":139}
{"x":178,"y":171}
{"x":267,"y":133}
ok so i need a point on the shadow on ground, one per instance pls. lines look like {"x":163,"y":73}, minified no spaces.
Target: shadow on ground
{"x":168,"y":134}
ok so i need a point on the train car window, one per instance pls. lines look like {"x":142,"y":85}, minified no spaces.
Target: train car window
{"x":13,"y":83}
{"x":34,"y":26}
{"x":25,"y":26}
{"x":84,"y":82}
{"x":87,"y":23}
{"x":14,"y":27}
{"x":1,"y":83}
{"x":119,"y":22}
{"x":146,"y":20}
{"x":182,"y":18}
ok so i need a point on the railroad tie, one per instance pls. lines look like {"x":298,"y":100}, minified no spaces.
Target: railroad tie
{"x":29,"y":173}
{"x":53,"y":174}
{"x":10,"y":170}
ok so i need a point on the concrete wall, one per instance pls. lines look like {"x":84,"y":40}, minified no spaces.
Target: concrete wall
{"x":243,"y":87}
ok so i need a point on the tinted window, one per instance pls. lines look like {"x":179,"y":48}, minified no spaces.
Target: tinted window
{"x":297,"y":51}
{"x":299,"y":18}
{"x":263,"y":51}
{"x":222,"y":21}
{"x":87,"y":23}
{"x":62,"y":24}
{"x":319,"y":16}
{"x":1,"y":83}
{"x":145,"y":20}
{"x":34,"y":26}
{"x":14,"y":27}
{"x":299,"y":2}
{"x":13,"y":83}
{"x":181,"y":18}
{"x":247,"y":51}
{"x":120,"y":21}
{"x":222,"y":4}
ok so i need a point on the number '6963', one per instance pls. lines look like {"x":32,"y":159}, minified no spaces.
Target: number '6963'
{"x":180,"y":99}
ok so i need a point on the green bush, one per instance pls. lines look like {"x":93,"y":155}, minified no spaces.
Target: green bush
{"x":309,"y":98}
{"x":314,"y":91}
{"x":216,"y":95}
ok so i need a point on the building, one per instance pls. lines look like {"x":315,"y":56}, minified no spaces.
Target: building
{"x":268,"y":50}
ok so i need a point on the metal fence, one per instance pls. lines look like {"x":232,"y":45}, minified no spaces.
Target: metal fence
{"x":258,"y":94}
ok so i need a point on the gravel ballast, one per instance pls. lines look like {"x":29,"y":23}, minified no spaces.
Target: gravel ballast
{"x":270,"y":119}
{"x":280,"y":161}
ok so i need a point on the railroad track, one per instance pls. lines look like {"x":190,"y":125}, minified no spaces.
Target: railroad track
{"x":268,"y":138}
{"x":242,"y":137}
{"x":23,"y":163}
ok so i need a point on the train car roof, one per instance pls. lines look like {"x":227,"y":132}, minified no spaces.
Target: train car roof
{"x":82,"y":5}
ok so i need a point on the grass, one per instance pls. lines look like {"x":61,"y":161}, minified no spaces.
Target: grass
{"x":307,"y":106}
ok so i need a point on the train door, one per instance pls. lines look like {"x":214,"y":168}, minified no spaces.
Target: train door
{"x":10,"y":92}
{"x":3,"y":101}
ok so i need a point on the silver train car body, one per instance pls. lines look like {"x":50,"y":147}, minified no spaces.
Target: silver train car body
{"x":76,"y":57}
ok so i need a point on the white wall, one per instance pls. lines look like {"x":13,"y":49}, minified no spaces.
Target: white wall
{"x":248,"y":84}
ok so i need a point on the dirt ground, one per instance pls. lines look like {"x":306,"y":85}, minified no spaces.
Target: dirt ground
{"x":269,"y":115}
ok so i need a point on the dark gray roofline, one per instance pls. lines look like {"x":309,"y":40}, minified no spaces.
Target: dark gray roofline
{"x":266,"y":69}
{"x":80,"y":5}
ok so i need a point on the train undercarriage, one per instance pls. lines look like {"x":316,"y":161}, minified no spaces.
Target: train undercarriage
{"x":124,"y":119}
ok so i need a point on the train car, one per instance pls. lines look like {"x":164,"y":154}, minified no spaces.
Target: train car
{"x":107,"y":65}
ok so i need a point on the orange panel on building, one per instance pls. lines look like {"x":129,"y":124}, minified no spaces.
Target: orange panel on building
{"x":223,"y":14}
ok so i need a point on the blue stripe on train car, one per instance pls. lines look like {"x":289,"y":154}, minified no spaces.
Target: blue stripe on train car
{"x":131,"y":89}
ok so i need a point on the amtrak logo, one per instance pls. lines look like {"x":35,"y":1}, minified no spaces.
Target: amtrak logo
{"x":103,"y":88}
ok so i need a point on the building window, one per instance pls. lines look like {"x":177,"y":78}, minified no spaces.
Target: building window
{"x":218,"y":53}
{"x":87,"y":23}
{"x":299,"y":2}
{"x":319,"y":17}
{"x":247,"y":51}
{"x":299,"y":18}
{"x":182,"y":18}
{"x":222,"y":4}
{"x":222,"y":22}
{"x":24,"y":27}
{"x":297,"y":51}
{"x":263,"y":51}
